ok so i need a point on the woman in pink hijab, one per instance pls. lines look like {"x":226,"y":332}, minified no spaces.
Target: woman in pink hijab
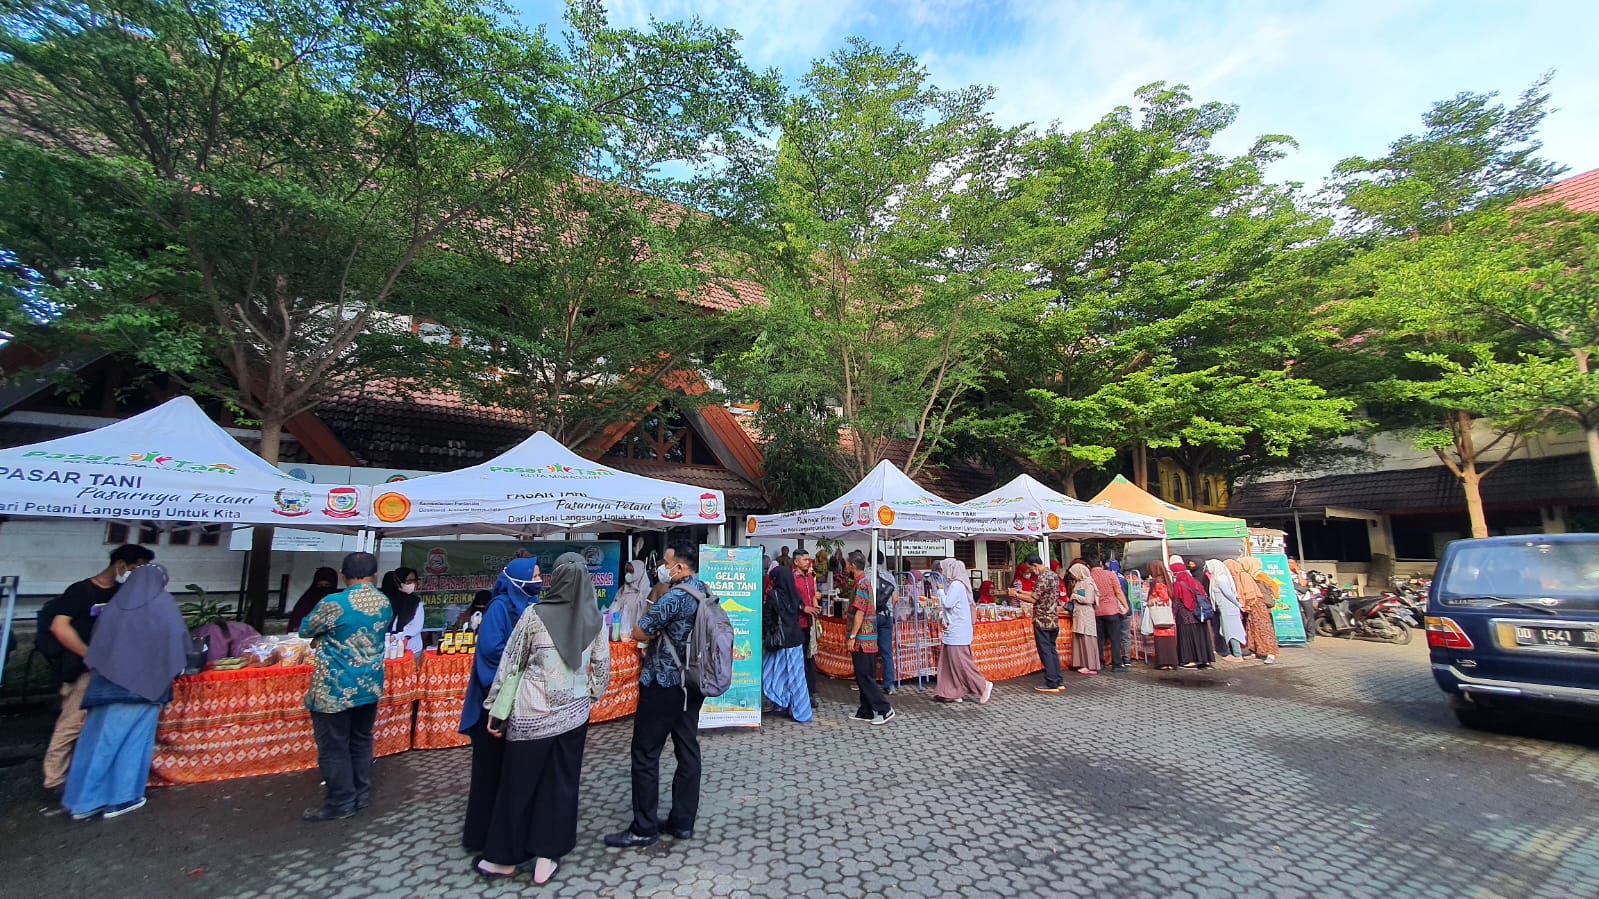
{"x":958,"y":676}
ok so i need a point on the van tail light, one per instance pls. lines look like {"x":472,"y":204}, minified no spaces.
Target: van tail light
{"x":1444,"y":633}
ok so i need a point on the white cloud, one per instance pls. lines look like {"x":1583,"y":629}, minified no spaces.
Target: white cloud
{"x":1343,"y":77}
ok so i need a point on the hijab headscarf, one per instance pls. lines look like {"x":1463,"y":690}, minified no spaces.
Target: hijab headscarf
{"x":954,"y":572}
{"x":1189,"y":589}
{"x":140,"y":641}
{"x":1248,"y":590}
{"x":1159,"y":573}
{"x":516,"y":584}
{"x":635,"y":591}
{"x":404,"y":604}
{"x":569,"y":609}
{"x":313,"y":595}
{"x":1257,"y":572}
{"x":1084,"y":579}
{"x":1175,"y":561}
{"x":1221,"y":581}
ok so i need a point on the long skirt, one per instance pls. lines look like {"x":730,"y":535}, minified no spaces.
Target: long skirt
{"x":1085,"y":651}
{"x":783,"y":681}
{"x":1166,"y":655}
{"x":1193,"y":643}
{"x":112,"y":761}
{"x":1262,"y":633}
{"x":958,"y":676}
{"x":535,"y":815}
{"x":488,"y":763}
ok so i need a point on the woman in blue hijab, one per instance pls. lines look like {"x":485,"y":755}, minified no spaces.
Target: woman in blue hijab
{"x":517,"y":588}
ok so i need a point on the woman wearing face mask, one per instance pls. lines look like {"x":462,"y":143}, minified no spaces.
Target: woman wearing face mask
{"x":630,"y":600}
{"x":399,"y":586}
{"x":517,"y":587}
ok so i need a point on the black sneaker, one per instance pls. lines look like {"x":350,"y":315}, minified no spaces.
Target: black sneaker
{"x":326,"y":814}
{"x":627,"y":839}
{"x":858,"y":717}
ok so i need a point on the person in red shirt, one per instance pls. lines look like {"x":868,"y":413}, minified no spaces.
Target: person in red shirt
{"x":805,"y":581}
{"x":1021,"y":587}
{"x":862,"y":644}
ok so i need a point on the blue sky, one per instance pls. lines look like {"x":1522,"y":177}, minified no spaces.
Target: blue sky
{"x":1342,"y":78}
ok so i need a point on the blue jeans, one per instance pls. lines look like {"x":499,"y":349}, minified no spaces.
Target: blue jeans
{"x":885,"y":647}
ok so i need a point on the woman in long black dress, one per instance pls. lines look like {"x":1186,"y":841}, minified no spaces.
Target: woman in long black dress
{"x":1194,"y":648}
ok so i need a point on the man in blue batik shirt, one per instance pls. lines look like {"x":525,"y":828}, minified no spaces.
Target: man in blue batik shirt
{"x":666,"y":707}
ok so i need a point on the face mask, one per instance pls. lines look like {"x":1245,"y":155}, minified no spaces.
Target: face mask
{"x":632,"y":577}
{"x":407,"y":588}
{"x":661,"y":574}
{"x":123,"y":577}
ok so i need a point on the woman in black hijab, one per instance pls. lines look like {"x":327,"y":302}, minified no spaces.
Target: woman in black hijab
{"x":399,"y":586}
{"x":324,"y":582}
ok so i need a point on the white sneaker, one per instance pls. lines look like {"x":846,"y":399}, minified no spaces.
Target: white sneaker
{"x":1271,"y":660}
{"x":988,"y":692}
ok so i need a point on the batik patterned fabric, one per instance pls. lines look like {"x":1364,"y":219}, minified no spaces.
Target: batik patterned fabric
{"x":347,"y":630}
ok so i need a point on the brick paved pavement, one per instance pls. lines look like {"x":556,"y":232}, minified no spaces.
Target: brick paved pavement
{"x":1250,"y":781}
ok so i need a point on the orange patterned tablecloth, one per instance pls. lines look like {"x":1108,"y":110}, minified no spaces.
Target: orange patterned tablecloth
{"x":443,"y":689}
{"x":1002,"y":649}
{"x":226,"y":724}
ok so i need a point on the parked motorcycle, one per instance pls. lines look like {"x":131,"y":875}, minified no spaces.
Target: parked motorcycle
{"x":1410,"y":594}
{"x":1342,"y":614}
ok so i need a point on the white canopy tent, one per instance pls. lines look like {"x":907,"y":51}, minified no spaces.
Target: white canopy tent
{"x":1059,"y":515}
{"x":1050,"y":513}
{"x":888,"y":503}
{"x":539,"y":487}
{"x":171,"y":463}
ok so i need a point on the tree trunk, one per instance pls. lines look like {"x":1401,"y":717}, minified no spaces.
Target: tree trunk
{"x":1593,"y":451}
{"x":259,"y":579}
{"x":1196,"y":476}
{"x":1590,"y":427}
{"x":1069,"y":483}
{"x":1471,"y":480}
{"x":1141,"y":465}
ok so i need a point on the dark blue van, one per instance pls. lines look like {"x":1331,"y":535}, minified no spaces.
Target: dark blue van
{"x":1513,"y":625}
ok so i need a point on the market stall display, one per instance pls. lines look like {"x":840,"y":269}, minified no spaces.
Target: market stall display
{"x":223,"y":724}
{"x":442,"y":689}
{"x":1003,"y":648}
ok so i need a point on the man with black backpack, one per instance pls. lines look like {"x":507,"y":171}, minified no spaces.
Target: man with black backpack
{"x":66,"y":624}
{"x":668,"y":705}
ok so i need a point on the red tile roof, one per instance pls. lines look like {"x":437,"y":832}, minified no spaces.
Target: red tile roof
{"x":1579,"y":192}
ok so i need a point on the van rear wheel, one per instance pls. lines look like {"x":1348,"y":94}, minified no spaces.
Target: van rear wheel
{"x":1473,"y":716}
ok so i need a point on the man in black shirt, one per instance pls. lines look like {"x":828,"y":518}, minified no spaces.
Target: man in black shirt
{"x":70,"y":621}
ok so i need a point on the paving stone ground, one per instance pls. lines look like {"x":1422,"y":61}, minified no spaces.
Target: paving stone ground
{"x":1337,"y":773}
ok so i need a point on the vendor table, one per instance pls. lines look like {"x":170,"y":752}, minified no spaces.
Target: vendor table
{"x":443,"y":689}
{"x":226,"y":724}
{"x":1002,"y":649}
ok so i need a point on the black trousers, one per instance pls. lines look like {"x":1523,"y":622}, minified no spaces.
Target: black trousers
{"x":1048,"y":654}
{"x":660,"y":715}
{"x":535,"y":814}
{"x":344,"y":755}
{"x":873,"y":701}
{"x":488,"y":760}
{"x":1113,"y":633}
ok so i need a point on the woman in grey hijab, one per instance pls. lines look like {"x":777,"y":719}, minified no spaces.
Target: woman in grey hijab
{"x":139,"y":647}
{"x":557,"y":662}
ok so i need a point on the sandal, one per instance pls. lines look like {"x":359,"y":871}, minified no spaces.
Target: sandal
{"x":492,"y":875}
{"x":554,"y":866}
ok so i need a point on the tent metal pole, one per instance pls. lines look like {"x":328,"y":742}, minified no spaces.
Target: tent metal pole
{"x":1299,"y":540}
{"x":630,"y":549}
